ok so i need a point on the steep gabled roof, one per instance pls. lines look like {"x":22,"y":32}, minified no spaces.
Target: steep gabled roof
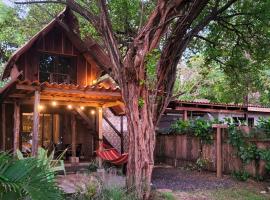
{"x":91,"y":49}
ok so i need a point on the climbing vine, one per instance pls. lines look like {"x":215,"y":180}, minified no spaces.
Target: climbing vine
{"x":199,"y":128}
{"x":246,"y":150}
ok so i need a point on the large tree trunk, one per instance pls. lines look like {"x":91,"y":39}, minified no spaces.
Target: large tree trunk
{"x":141,"y":142}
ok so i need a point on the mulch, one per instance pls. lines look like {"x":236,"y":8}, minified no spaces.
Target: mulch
{"x":188,"y":180}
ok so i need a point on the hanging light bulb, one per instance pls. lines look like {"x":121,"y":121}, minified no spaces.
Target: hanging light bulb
{"x":69,"y":106}
{"x":40,"y":107}
{"x":93,"y":112}
{"x":82,"y":107}
{"x":54,"y":103}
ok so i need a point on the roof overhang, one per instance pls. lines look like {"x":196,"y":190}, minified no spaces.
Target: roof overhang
{"x":95,"y":95}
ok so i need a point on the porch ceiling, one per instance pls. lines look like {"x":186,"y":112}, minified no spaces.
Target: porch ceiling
{"x":93,"y":95}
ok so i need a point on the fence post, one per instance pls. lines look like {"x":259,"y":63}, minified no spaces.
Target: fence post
{"x":219,"y":148}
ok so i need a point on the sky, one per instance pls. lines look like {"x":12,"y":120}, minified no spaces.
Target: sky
{"x":8,"y":2}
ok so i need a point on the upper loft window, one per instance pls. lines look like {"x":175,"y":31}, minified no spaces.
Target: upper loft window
{"x":57,"y":69}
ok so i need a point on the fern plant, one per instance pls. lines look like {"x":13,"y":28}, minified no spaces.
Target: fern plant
{"x":27,"y":178}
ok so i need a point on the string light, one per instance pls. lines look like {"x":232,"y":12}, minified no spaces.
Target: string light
{"x":69,"y":106}
{"x":93,"y":112}
{"x":82,"y":107}
{"x":54,"y":103}
{"x":40,"y":107}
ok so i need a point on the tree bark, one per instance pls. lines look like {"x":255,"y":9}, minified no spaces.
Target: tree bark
{"x":141,"y":143}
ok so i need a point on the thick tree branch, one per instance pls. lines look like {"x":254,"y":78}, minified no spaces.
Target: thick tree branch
{"x":110,"y":40}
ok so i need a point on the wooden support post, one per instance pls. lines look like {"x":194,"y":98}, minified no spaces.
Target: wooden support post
{"x":219,"y":159}
{"x":185,"y":115}
{"x":73,"y":135}
{"x":122,"y":134}
{"x":3,"y":127}
{"x":100,"y":134}
{"x":35,"y":124}
{"x":16,"y":128}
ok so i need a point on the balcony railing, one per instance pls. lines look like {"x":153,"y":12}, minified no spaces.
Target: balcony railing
{"x":56,"y":78}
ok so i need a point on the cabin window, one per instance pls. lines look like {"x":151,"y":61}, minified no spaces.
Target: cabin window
{"x":49,"y":131}
{"x":57,"y":69}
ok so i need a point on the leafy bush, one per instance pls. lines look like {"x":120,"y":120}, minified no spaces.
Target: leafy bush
{"x":264,"y":125}
{"x":200,"y":128}
{"x":241,"y":175}
{"x":93,"y":166}
{"x":181,"y":127}
{"x":201,"y":164}
{"x":203,"y":129}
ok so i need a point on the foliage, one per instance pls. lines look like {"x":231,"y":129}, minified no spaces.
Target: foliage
{"x":93,"y":192}
{"x":29,"y":177}
{"x":151,"y":62}
{"x":93,"y":166}
{"x":168,"y":196}
{"x":264,"y":125}
{"x":199,"y":127}
{"x":241,"y":175}
{"x":265,"y":155}
{"x":140,"y":102}
{"x":201,"y":164}
{"x":247,"y":151}
{"x":181,"y":127}
{"x":203,"y":129}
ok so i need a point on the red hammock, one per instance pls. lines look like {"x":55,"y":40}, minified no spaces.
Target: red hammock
{"x":112,"y":155}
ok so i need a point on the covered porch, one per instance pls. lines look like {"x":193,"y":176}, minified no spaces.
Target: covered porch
{"x":55,"y":117}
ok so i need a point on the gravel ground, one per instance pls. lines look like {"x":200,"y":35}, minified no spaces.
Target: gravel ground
{"x":185,"y":180}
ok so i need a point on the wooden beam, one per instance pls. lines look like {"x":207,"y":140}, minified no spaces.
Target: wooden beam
{"x":122,"y":133}
{"x":204,"y":110}
{"x":219,"y":159}
{"x":35,"y":124}
{"x":185,"y":115}
{"x":100,"y":133}
{"x":73,"y":135}
{"x":69,"y":91}
{"x":219,"y":153}
{"x":16,"y":128}
{"x":98,"y":102}
{"x":81,"y":92}
{"x":3,"y":127}
{"x":111,"y":125}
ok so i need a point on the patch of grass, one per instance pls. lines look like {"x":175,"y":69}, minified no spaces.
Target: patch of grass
{"x":168,"y":196}
{"x":239,"y":194}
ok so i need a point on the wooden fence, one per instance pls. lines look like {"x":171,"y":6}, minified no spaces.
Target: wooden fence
{"x":181,"y":150}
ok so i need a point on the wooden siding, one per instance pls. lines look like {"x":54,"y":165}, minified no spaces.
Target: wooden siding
{"x":56,"y":42}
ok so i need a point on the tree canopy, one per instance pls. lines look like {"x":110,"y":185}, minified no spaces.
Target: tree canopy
{"x":233,"y":49}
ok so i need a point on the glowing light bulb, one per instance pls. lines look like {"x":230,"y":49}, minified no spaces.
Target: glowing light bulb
{"x":40,"y":107}
{"x":69,"y":106}
{"x":94,"y":81}
{"x":93,"y":112}
{"x":82,"y":107}
{"x":54,"y":103}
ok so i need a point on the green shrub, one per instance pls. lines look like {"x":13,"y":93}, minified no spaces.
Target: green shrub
{"x":241,"y":175}
{"x":168,"y":196}
{"x":200,"y":128}
{"x":93,"y":166}
{"x":180,"y":127}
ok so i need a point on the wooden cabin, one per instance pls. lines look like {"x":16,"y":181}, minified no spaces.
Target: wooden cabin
{"x":54,"y":97}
